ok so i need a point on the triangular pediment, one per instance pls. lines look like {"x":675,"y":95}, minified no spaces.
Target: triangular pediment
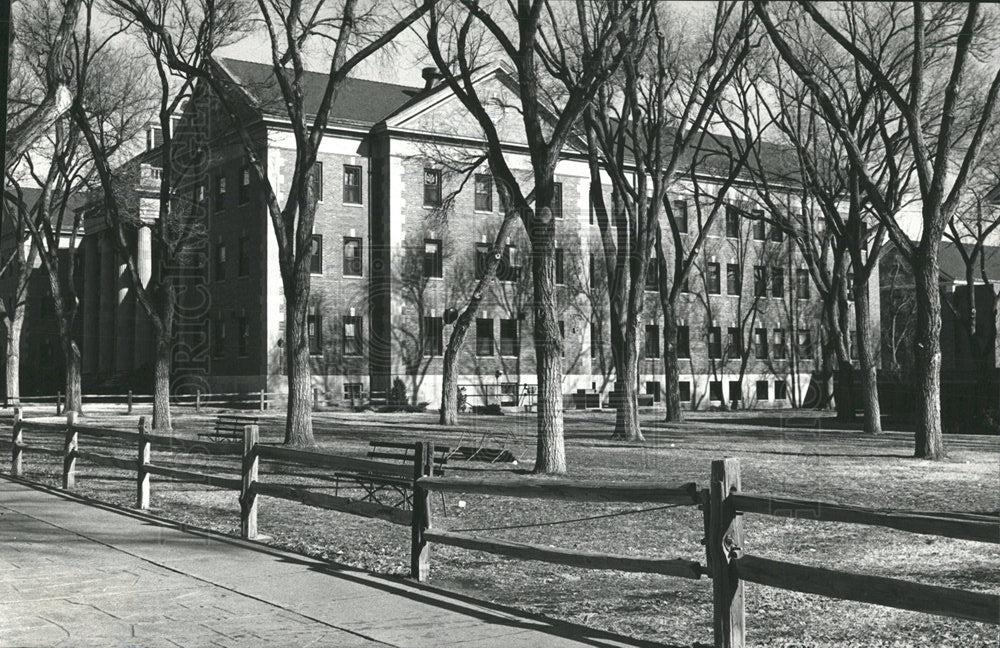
{"x":440,"y":113}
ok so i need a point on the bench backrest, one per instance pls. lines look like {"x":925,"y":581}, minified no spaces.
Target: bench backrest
{"x":233,"y":423}
{"x":403,"y":453}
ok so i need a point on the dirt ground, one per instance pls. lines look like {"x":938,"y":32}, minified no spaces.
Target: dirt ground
{"x":795,"y":454}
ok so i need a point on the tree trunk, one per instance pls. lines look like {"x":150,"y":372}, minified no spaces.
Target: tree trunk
{"x":298,"y":423}
{"x":74,"y":392}
{"x":627,"y":424}
{"x":844,"y":392}
{"x":161,"y":383}
{"x":866,"y":357}
{"x":551,"y":451}
{"x":827,"y":370}
{"x":672,"y":397}
{"x":449,"y":382}
{"x":929,"y":443}
{"x":14,"y":325}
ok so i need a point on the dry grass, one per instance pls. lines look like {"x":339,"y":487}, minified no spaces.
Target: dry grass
{"x":789,"y":456}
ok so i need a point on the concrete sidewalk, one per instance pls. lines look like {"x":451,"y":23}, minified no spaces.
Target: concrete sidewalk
{"x":77,"y":574}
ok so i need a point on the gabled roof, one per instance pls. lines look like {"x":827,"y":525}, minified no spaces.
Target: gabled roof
{"x":359,"y":102}
{"x":952,"y":267}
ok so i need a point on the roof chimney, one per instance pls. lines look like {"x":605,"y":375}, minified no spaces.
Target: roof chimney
{"x":430,"y":75}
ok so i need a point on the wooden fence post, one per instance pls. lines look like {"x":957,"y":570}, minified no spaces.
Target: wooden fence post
{"x":130,"y":401}
{"x":248,"y":498}
{"x":197,"y":400}
{"x":262,"y":402}
{"x":58,"y":403}
{"x":142,"y":475}
{"x":17,"y":438}
{"x":420,"y":551}
{"x":725,"y":542}
{"x":69,"y":451}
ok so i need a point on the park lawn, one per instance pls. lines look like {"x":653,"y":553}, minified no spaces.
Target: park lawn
{"x":795,"y":456}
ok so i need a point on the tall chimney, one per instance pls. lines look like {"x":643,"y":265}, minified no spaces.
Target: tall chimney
{"x":431,"y":76}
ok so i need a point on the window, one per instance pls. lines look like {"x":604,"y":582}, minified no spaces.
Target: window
{"x":219,"y":337}
{"x":732,"y":222}
{"x":432,"y":187}
{"x":352,"y":256}
{"x":244,"y":185}
{"x":850,"y":286}
{"x":715,"y":342}
{"x":314,"y":331}
{"x":777,"y":235}
{"x":560,"y":269}
{"x":243,"y":260}
{"x":316,"y":177}
{"x":352,"y":185}
{"x":779,"y":344}
{"x":154,"y":137}
{"x":595,"y":341}
{"x":316,"y":257}
{"x":484,"y":192}
{"x":242,"y":335}
{"x":352,"y":335}
{"x":714,"y":280}
{"x":652,"y":341}
{"x":510,"y":344}
{"x":735,"y":393}
{"x":804,"y":343}
{"x":715,"y":390}
{"x":734,"y":346}
{"x":198,"y":194}
{"x":759,"y":226}
{"x":778,"y":282}
{"x":733,"y":278}
{"x":652,"y":275}
{"x":220,"y":261}
{"x":681,"y":215}
{"x":802,"y":283}
{"x":684,"y":390}
{"x":352,"y":391}
{"x":557,"y":205}
{"x":683,"y":342}
{"x":759,"y":281}
{"x":510,"y":265}
{"x":482,"y":259}
{"x":433,"y":336}
{"x":780,"y":390}
{"x":433,"y":259}
{"x":653,"y":389}
{"x":760,"y":343}
{"x":484,"y":337}
{"x":220,"y":192}
{"x":762,"y":390}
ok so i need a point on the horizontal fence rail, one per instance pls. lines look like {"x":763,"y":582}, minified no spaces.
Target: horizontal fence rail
{"x":566,"y":489}
{"x":335,"y":503}
{"x":570,"y":558}
{"x":879,"y":590}
{"x":335,"y":462}
{"x":981,"y":529}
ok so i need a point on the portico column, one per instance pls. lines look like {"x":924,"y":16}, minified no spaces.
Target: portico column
{"x":91,"y":303}
{"x":143,"y":341}
{"x":124,"y":316}
{"x":106,"y":314}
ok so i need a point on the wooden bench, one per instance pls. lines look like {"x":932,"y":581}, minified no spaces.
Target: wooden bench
{"x":229,"y":427}
{"x":389,"y":488}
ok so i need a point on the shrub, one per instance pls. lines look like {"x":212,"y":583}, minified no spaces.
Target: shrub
{"x":397,"y":395}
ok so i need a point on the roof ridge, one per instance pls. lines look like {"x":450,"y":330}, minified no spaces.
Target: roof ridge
{"x":403,"y":86}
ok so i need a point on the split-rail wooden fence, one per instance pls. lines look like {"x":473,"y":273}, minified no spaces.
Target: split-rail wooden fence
{"x":723,"y":504}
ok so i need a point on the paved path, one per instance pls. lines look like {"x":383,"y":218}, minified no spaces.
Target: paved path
{"x":76,"y":574}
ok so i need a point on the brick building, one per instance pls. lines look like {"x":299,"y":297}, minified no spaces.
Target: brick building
{"x":406,"y":212}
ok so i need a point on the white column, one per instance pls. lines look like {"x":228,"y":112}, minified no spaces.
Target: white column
{"x":124,"y":316}
{"x":143,"y":341}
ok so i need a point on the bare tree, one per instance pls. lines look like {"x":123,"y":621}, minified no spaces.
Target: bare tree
{"x":539,"y":58}
{"x":946,"y":121}
{"x":639,"y":133}
{"x":353,"y":33}
{"x":16,"y":268}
